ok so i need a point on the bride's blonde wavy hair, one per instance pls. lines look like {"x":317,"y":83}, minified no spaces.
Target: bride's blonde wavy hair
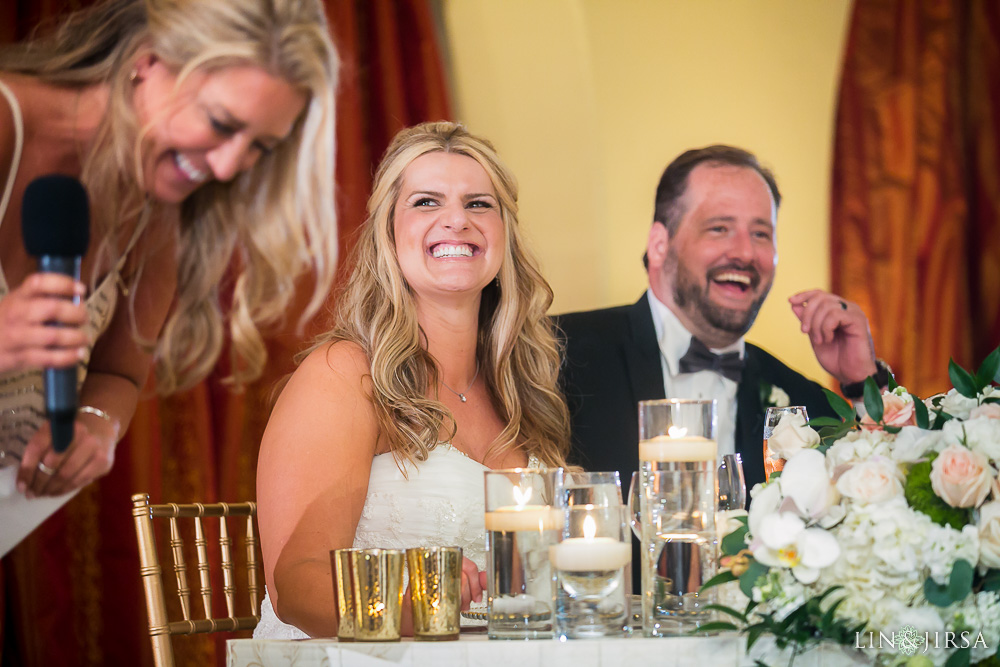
{"x":278,"y":216}
{"x":517,"y":351}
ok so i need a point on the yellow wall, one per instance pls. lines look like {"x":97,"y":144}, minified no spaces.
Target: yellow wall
{"x":588,"y":100}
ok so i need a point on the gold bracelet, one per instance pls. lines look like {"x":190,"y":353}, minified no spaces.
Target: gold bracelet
{"x":97,"y":412}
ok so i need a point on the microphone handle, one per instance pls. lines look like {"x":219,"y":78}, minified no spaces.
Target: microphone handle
{"x":60,"y":383}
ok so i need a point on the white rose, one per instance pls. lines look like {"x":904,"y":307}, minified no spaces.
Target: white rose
{"x":958,"y":406}
{"x":873,"y":481}
{"x":989,"y":534}
{"x":790,"y":436}
{"x":778,"y":398}
{"x":913,"y":443}
{"x":981,"y":434}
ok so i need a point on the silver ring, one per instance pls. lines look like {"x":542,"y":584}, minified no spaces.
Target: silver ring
{"x":45,"y":469}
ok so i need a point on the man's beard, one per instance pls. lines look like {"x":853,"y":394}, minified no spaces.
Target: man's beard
{"x":691,"y":297}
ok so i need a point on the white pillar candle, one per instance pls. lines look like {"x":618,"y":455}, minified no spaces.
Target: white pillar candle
{"x":590,"y":554}
{"x":687,"y":448}
{"x":523,"y":517}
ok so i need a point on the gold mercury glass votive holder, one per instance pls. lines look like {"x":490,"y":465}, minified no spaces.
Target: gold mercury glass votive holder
{"x":377,"y":594}
{"x":436,"y":592}
{"x":343,"y":587}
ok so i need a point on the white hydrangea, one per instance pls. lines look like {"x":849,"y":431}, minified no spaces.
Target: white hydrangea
{"x":977,"y":614}
{"x":780,"y":593}
{"x":928,"y":621}
{"x":858,"y":446}
{"x":881,"y":545}
{"x":945,"y":545}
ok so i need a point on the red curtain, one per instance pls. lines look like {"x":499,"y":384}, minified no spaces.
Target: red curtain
{"x":72,"y":594}
{"x":916,"y":190}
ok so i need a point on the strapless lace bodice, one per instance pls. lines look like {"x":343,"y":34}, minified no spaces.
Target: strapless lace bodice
{"x":439,"y":502}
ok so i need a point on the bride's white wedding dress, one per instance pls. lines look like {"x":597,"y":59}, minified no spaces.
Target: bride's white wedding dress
{"x":440,"y":502}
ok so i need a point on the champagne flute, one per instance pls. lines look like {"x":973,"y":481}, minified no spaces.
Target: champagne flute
{"x":634,"y":513}
{"x":732,"y":483}
{"x":771,"y":419}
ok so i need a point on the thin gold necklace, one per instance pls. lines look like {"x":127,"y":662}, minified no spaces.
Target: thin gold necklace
{"x":461,"y":394}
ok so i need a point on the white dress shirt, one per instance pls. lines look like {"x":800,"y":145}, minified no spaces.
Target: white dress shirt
{"x":674,"y":341}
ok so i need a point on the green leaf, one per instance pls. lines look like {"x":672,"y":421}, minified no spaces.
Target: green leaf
{"x":727,"y":610}
{"x":721,"y":578}
{"x":893,"y":430}
{"x":715,"y":626}
{"x":957,"y":589}
{"x":959,"y":658}
{"x":753,"y":634}
{"x":735,"y":541}
{"x":839,"y":405}
{"x":936,"y":594}
{"x":991,"y":581}
{"x":750,"y":577}
{"x":827,"y":621}
{"x":960,"y":581}
{"x":824,"y":421}
{"x":939,"y":420}
{"x":891,"y":384}
{"x":873,"y":400}
{"x":961,"y":380}
{"x":774,"y":475}
{"x":988,"y":369}
{"x":923,"y":419}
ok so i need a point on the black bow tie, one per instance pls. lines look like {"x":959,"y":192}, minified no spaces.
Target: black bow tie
{"x":700,"y":358}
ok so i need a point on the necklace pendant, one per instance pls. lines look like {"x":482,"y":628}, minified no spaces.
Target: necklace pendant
{"x":462,"y":396}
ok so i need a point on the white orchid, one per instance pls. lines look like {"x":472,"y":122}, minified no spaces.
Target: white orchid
{"x":786,"y":542}
{"x":806,"y":486}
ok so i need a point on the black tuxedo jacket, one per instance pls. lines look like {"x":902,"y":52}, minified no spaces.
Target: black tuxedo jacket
{"x":612,"y":361}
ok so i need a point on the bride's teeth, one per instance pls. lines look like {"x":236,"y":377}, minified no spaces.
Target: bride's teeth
{"x":189,"y":170}
{"x":451,"y":251}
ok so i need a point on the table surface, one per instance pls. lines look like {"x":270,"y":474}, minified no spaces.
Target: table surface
{"x":477,"y":649}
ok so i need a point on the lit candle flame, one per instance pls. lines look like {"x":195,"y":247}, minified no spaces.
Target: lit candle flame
{"x":589,"y":528}
{"x":522,"y":495}
{"x":677,"y":431}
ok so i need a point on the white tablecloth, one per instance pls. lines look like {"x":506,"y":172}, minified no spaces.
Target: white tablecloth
{"x":476,"y":649}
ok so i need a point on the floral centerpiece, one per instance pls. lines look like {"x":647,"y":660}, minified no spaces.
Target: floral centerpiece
{"x":881,"y":533}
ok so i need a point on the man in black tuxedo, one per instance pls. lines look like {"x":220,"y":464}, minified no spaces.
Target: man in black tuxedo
{"x":710,"y":257}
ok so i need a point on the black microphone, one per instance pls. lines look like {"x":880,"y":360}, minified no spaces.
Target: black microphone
{"x":55,"y":224}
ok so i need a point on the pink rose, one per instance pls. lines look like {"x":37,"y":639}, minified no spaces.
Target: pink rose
{"x":872,"y":481}
{"x":896,"y":411}
{"x":961,"y":477}
{"x":988,"y":410}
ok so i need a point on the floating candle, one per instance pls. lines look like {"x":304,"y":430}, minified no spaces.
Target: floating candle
{"x":589,"y":553}
{"x":687,"y":448}
{"x":523,"y":517}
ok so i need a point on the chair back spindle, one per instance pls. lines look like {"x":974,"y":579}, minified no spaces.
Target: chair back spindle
{"x":160,"y":626}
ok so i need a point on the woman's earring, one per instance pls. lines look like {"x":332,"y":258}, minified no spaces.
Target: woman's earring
{"x":133,"y":76}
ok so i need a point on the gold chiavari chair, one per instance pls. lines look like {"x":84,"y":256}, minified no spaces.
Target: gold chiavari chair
{"x":161,"y":628}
